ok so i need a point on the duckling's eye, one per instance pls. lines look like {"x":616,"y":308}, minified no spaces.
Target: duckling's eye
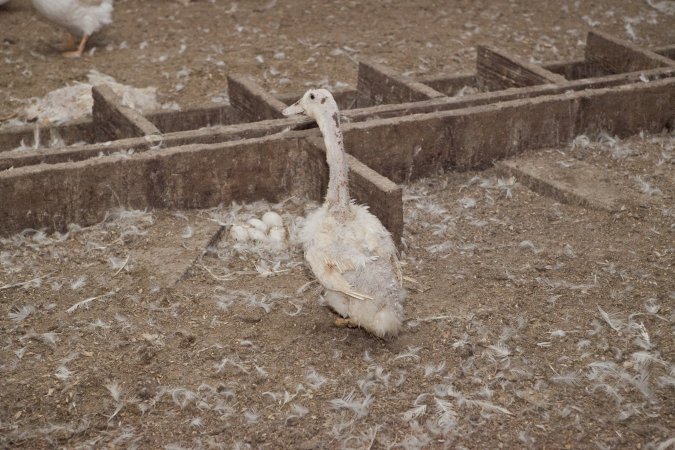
{"x":311,"y":96}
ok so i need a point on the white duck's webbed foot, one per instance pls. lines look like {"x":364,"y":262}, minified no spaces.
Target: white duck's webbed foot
{"x":80,"y":49}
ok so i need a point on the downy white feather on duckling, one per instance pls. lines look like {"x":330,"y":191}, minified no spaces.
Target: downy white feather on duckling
{"x":81,"y":18}
{"x":348,"y":249}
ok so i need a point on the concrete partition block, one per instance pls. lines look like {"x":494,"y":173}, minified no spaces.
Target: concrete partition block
{"x":192,"y":119}
{"x":449,"y":85}
{"x":251,"y":102}
{"x":194,"y":176}
{"x":628,"y":109}
{"x":81,"y":130}
{"x":619,"y":56}
{"x":496,"y":70}
{"x":406,"y":148}
{"x":378,"y":85}
{"x":209,"y":135}
{"x":112,"y":120}
{"x":668,"y":51}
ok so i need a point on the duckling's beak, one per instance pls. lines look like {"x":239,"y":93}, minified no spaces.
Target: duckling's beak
{"x":294,"y":109}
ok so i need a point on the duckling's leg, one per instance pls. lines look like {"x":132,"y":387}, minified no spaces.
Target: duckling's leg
{"x":346,"y":322}
{"x":80,"y":48}
{"x":70,"y":42}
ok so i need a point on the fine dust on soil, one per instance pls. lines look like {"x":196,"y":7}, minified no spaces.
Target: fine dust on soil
{"x":531,"y":323}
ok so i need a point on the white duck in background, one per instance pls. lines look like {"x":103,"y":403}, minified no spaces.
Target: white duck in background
{"x":348,"y":249}
{"x":81,"y":18}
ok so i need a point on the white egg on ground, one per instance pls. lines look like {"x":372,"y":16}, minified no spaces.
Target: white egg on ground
{"x":272,"y":219}
{"x":277,"y":234}
{"x":258,"y":224}
{"x":239,"y":233}
{"x":257,"y":235}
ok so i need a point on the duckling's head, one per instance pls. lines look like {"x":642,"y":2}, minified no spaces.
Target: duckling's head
{"x":315,"y":103}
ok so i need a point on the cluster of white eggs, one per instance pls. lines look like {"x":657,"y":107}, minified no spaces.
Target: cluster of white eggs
{"x":269,"y":229}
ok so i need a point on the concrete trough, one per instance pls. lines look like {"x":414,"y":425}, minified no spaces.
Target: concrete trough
{"x":246,"y":151}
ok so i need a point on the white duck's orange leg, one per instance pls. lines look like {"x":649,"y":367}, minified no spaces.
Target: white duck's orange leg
{"x":70,"y":42}
{"x":80,"y":48}
{"x":342,"y":322}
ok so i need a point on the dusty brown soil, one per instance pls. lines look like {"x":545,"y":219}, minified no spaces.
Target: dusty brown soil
{"x":506,"y":343}
{"x":289,"y":45}
{"x":531,"y":323}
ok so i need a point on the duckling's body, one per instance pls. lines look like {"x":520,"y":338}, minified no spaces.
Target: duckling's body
{"x":355,"y":260}
{"x":80,"y":18}
{"x":348,"y":249}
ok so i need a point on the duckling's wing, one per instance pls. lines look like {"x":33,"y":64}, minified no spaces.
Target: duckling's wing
{"x":329,"y":272}
{"x":92,"y":2}
{"x":396,"y":264}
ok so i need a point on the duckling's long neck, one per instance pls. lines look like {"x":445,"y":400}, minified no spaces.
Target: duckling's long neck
{"x":337,"y":196}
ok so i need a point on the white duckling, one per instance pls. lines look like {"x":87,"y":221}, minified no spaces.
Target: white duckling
{"x":347,"y":247}
{"x":81,"y":18}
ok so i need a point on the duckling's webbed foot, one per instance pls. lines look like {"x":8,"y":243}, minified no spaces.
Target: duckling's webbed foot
{"x":70,"y":43}
{"x":80,"y":48}
{"x":345,"y":322}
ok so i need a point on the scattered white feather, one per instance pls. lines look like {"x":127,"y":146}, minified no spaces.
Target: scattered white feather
{"x":558,"y":333}
{"x":85,"y":303}
{"x":239,"y":233}
{"x":499,"y":350}
{"x":49,"y":338}
{"x":460,"y":343}
{"x":251,"y":416}
{"x":611,"y":320}
{"x":645,"y":187}
{"x":414,"y":413}
{"x":411,"y":353}
{"x":583,"y":344}
{"x":652,"y":306}
{"x":643,"y":360}
{"x":114,"y":390}
{"x":467,"y":202}
{"x":79,"y":283}
{"x":609,"y":390}
{"x":350,"y":403}
{"x":431,"y":369}
{"x":569,"y":378}
{"x":182,"y":397}
{"x":446,"y":416}
{"x":62,"y":373}
{"x":314,"y":378}
{"x":197,"y":422}
{"x":22,"y":313}
{"x":526,"y":244}
{"x":297,"y":412}
{"x":187,"y":232}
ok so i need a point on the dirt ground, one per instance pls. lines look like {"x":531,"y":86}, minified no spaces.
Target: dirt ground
{"x":531,"y":323}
